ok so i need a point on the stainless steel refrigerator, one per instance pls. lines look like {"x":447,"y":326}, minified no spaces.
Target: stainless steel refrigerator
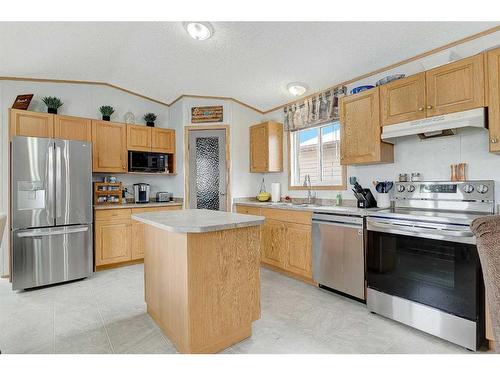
{"x":51,"y":202}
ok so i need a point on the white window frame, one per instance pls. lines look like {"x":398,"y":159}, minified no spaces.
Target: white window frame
{"x":293,"y":167}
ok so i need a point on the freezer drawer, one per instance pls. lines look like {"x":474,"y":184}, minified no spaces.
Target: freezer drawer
{"x":338,"y":257}
{"x":51,"y":255}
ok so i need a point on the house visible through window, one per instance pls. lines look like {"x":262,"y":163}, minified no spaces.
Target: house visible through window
{"x":316,"y":152}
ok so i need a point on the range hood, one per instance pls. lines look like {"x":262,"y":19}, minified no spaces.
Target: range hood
{"x":437,"y":126}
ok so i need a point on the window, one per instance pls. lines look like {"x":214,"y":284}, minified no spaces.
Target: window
{"x":316,"y":152}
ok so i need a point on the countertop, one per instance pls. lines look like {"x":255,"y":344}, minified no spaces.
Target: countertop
{"x":135,"y":205}
{"x":197,"y":221}
{"x":346,"y":210}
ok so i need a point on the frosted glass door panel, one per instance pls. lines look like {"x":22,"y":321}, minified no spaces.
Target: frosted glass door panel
{"x":207,"y":169}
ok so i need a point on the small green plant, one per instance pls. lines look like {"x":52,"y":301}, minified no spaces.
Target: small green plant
{"x":106,"y":110}
{"x":52,"y":103}
{"x":150,"y":117}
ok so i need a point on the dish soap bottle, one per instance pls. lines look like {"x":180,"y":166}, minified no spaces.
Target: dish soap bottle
{"x":338,"y":199}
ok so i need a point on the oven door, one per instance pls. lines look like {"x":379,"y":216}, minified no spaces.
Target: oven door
{"x":433,"y":264}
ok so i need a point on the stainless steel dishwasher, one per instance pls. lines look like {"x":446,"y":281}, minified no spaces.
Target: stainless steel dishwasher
{"x":338,"y":253}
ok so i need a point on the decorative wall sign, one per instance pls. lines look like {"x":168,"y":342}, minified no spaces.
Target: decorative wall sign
{"x":206,"y":114}
{"x":22,"y":101}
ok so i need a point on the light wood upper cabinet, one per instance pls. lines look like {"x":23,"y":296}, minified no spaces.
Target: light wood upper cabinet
{"x":493,"y":63}
{"x":138,"y":138}
{"x":273,"y":243}
{"x":31,"y":124}
{"x":163,"y":140}
{"x":73,"y":128}
{"x":360,"y":142}
{"x":403,"y":100}
{"x":455,"y":87}
{"x":266,"y":147}
{"x":109,"y":144}
{"x":298,"y":249}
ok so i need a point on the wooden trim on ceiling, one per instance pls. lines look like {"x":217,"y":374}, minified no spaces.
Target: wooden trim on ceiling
{"x":395,"y":65}
{"x":71,"y":81}
{"x":216,"y":98}
{"x":263,"y":112}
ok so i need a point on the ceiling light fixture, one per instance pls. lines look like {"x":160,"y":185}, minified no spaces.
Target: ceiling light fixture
{"x":297,"y":88}
{"x":199,"y":30}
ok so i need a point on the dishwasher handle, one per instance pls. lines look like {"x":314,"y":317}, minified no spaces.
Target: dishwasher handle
{"x":338,"y":224}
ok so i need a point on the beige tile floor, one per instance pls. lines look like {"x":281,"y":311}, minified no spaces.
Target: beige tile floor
{"x":107,"y":314}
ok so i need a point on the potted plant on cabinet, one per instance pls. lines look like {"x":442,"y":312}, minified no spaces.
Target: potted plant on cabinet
{"x":106,"y":111}
{"x":150,"y":119}
{"x":52,"y":103}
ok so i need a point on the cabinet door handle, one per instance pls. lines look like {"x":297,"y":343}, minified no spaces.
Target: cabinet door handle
{"x":429,"y":107}
{"x":494,"y":140}
{"x":420,"y":109}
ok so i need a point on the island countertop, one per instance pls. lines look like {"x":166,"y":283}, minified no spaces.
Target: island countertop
{"x":197,"y":221}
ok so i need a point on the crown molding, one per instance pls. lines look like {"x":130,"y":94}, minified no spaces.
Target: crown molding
{"x":263,"y":112}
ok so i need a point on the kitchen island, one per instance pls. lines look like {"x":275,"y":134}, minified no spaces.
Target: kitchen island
{"x":202,"y":276}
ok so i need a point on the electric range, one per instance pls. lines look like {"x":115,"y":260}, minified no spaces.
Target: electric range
{"x":422,"y":263}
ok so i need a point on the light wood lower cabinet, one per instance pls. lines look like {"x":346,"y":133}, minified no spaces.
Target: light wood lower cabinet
{"x":273,"y":243}
{"x":285,"y":239}
{"x":112,"y":242}
{"x":298,"y":249}
{"x":118,"y":238}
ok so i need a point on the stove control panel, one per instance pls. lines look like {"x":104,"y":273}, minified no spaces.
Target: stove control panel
{"x":480,"y":190}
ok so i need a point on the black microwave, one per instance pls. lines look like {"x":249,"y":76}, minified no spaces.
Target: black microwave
{"x":151,"y":162}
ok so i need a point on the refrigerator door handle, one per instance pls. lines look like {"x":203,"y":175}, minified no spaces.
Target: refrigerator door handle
{"x":50,"y":196}
{"x":58,"y":181}
{"x":38,"y":233}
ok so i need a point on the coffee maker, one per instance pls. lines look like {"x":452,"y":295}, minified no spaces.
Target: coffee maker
{"x":141,"y":193}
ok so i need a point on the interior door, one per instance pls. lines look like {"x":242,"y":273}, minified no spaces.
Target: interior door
{"x":32,"y":166}
{"x":207,"y":170}
{"x":73,"y":179}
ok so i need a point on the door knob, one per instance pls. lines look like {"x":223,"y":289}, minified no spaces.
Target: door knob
{"x":420,"y":108}
{"x":494,"y":140}
{"x":429,"y":106}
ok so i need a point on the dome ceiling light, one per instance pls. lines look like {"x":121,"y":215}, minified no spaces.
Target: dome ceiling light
{"x":297,"y":88}
{"x":199,"y":30}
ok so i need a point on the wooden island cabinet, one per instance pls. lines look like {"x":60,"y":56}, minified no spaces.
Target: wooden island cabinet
{"x":202,"y":276}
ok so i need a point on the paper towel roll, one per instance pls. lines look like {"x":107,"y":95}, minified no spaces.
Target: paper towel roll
{"x":275,"y":191}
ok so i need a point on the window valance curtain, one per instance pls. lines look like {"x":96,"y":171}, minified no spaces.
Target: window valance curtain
{"x":315,"y":110}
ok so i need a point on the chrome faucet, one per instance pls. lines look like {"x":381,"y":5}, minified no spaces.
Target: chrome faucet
{"x":307,"y":184}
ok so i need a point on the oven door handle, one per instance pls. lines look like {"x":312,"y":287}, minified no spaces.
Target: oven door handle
{"x":416,"y":229}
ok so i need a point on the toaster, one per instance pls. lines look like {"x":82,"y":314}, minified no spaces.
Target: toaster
{"x":163,"y":196}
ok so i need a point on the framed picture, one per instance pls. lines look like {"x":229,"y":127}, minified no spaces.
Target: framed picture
{"x":206,"y":114}
{"x":22,"y":101}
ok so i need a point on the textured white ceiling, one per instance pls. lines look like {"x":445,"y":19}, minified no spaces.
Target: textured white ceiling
{"x":249,"y":61}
